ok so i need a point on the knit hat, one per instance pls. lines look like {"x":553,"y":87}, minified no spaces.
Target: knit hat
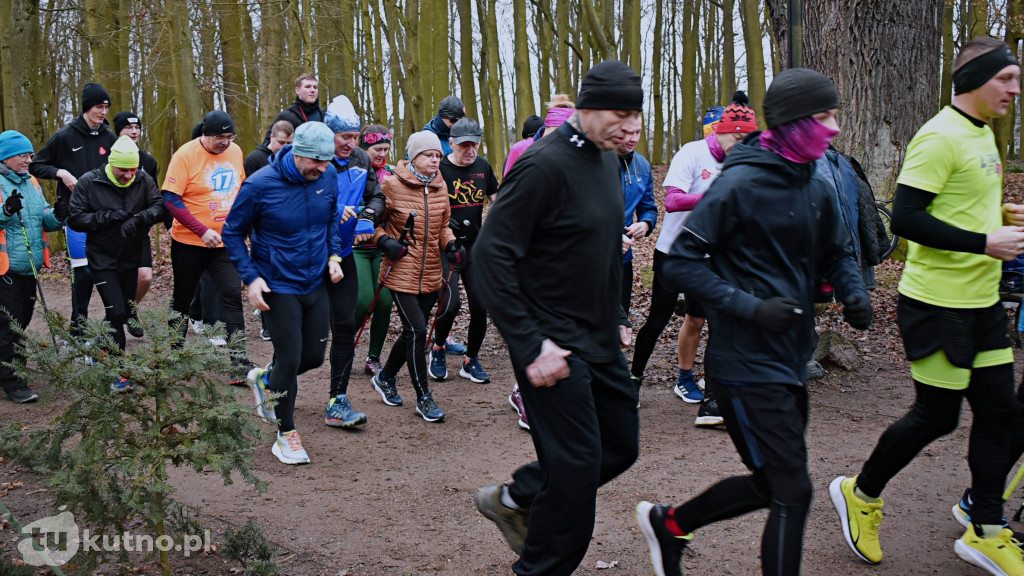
{"x":611,"y":85}
{"x":711,"y":118}
{"x":341,"y":116}
{"x":451,"y":108}
{"x":218,"y":122}
{"x":797,"y":93}
{"x":13,"y":143}
{"x":125,"y":118}
{"x":466,"y":130}
{"x":93,"y":94}
{"x":532,"y":125}
{"x":738,"y":117}
{"x":313,"y":140}
{"x":421,"y":142}
{"x":124,"y":154}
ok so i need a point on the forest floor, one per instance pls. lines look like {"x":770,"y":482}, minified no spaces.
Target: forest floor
{"x":394,"y":497}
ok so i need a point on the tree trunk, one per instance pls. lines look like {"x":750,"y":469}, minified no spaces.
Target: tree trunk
{"x":467,"y":53}
{"x":272,"y":62}
{"x":546,"y":51}
{"x":657,"y":104}
{"x":238,"y":101}
{"x":1003,"y":127}
{"x":946,"y":84}
{"x":977,"y":19}
{"x":207,"y":70}
{"x":521,"y":64}
{"x":102,"y":30}
{"x":21,"y":111}
{"x":563,"y":75}
{"x":496,"y":132}
{"x":755,"y":54}
{"x":433,"y":51}
{"x":688,"y":108}
{"x":728,"y":53}
{"x":186,"y":90}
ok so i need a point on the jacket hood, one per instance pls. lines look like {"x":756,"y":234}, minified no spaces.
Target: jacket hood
{"x":82,"y":126}
{"x":284,"y":163}
{"x":402,"y":173}
{"x":12,"y":175}
{"x":749,"y":152}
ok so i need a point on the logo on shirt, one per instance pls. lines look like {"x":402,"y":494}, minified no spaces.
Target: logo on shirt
{"x":704,"y":174}
{"x":222,"y":181}
{"x":103,"y":151}
{"x":465,"y":193}
{"x":991,"y":163}
{"x":576,"y":140}
{"x":77,"y":149}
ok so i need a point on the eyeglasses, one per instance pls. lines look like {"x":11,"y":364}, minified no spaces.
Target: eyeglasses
{"x":372,"y":138}
{"x":27,"y":157}
{"x":222,"y":138}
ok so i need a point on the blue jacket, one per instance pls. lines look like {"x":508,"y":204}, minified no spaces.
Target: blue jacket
{"x":36,"y":213}
{"x":357,"y":187}
{"x":444,"y":134}
{"x":836,"y":170}
{"x":638,"y":193}
{"x":293,"y":224}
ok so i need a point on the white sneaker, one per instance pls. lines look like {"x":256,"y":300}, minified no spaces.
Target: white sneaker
{"x":288,"y":448}
{"x":196,"y":326}
{"x":218,"y":341}
{"x":700,"y":384}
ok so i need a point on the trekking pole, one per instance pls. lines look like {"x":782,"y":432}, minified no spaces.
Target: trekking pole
{"x":459,"y":241}
{"x":35,"y":274}
{"x":380,"y":285}
{"x":1013,"y":485}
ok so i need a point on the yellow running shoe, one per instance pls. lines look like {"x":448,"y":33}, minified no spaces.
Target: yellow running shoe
{"x":998,"y":556}
{"x":860,"y":519}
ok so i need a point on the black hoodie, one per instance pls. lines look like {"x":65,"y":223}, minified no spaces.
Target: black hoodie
{"x":297,"y":114}
{"x":75,"y":148}
{"x":771,"y":227}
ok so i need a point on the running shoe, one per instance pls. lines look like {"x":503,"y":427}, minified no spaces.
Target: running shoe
{"x":511,"y":521}
{"x":373,"y":365}
{"x":121,"y":385}
{"x":709,"y":414}
{"x":133,"y":326}
{"x":454,"y":348}
{"x":264,"y":334}
{"x":666,"y":548}
{"x":218,"y":341}
{"x":686,"y":388}
{"x":428,"y":409}
{"x":385,"y":386}
{"x":638,"y":383}
{"x":437,"y":369}
{"x":471,"y":369}
{"x":962,"y":514}
{"x":341,"y":415}
{"x":196,"y":326}
{"x":517,"y":402}
{"x":860,"y":519}
{"x":288,"y":448}
{"x":21,"y":395}
{"x":258,"y":378}
{"x":998,"y":556}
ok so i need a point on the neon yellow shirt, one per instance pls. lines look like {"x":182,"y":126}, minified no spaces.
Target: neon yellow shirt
{"x":958,"y":161}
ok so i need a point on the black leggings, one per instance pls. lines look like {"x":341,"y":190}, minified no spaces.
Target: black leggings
{"x":189,"y":262}
{"x":449,"y":309}
{"x":935,"y":413}
{"x":81,"y":294}
{"x":663,"y":305}
{"x":298,"y":330}
{"x":342,"y":297}
{"x":411,"y":346}
{"x":767,"y":423}
{"x":17,"y":302}
{"x":117,"y":290}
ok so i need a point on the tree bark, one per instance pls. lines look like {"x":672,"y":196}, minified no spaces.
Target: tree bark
{"x":238,"y":101}
{"x":467,"y":53}
{"x":657,"y":104}
{"x":728,"y":53}
{"x":521,"y":64}
{"x":755,"y":55}
{"x":688,"y":108}
{"x":946,"y":83}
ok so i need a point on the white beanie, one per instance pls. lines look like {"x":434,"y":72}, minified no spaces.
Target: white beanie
{"x":421,"y":142}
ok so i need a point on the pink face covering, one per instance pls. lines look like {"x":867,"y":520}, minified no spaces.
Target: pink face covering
{"x":715,"y":146}
{"x":801,"y":141}
{"x":557,"y":116}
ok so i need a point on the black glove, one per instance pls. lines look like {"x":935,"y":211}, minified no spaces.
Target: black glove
{"x":777,"y":314}
{"x":13,"y":204}
{"x":392,"y":248}
{"x":113,"y":216}
{"x":857,"y":311}
{"x":456,"y":254}
{"x":62,"y":209}
{"x":130,"y":228}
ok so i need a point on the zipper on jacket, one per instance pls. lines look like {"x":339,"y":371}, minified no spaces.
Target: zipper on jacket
{"x":426,"y":234}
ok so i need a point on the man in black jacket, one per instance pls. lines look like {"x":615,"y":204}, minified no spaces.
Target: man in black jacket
{"x":116,"y":205}
{"x":306,"y":107}
{"x":770,"y":227}
{"x":281,"y":134}
{"x":549,"y":263}
{"x":80,"y":146}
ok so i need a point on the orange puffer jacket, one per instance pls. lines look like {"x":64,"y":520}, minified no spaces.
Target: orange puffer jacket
{"x":419,"y":271}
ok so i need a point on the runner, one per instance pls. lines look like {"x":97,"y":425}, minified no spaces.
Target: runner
{"x":549,"y":264}
{"x":470,"y":180}
{"x":116,"y":205}
{"x":638,"y":195}
{"x":947,"y":205}
{"x":415,"y":269}
{"x":291,"y":212}
{"x":449,"y":111}
{"x":201,"y":184}
{"x":25,"y":219}
{"x":306,"y":107}
{"x":768,"y":225}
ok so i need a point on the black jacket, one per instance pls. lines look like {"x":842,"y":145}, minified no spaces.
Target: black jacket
{"x":93,"y":205}
{"x":149,"y":164}
{"x":771,"y":227}
{"x":256,"y":159}
{"x":75,"y":148}
{"x":297,"y":116}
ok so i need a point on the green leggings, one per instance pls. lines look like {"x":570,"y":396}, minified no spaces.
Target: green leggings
{"x":368,"y":271}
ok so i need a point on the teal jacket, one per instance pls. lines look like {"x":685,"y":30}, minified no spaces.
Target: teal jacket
{"x":37,"y":214}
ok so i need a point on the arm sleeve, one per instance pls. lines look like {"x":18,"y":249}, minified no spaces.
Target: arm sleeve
{"x":333,"y":229}
{"x":911,"y":220}
{"x":677,"y":200}
{"x":154,"y":211}
{"x":838,"y":261}
{"x":176,"y":207}
{"x":43,"y":165}
{"x":50,"y":221}
{"x":81,"y":216}
{"x":647,"y":209}
{"x":373,"y":198}
{"x":236,"y":229}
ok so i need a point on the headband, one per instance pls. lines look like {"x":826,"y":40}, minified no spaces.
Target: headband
{"x":372,"y":138}
{"x":975,"y":73}
{"x":557,"y":116}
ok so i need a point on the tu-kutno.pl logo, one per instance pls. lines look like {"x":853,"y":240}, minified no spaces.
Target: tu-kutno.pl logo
{"x":54,"y":541}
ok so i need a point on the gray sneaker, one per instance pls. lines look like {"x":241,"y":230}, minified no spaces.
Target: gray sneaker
{"x":511,"y":522}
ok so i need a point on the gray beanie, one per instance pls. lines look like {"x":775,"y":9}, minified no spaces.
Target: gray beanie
{"x":313,"y":140}
{"x":420,"y":142}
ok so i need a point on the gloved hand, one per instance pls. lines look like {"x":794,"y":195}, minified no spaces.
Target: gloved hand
{"x":130,"y":228}
{"x":857,"y":311}
{"x":392,"y":248}
{"x":456,"y":254}
{"x":114,"y":216}
{"x":777,"y":314}
{"x":13,"y":204}
{"x":62,"y":209}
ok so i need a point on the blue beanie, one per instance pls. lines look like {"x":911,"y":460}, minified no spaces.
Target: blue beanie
{"x":341,"y":116}
{"x":13,"y":143}
{"x":313,"y":140}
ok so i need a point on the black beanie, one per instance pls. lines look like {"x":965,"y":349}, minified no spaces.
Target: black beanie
{"x":93,"y":94}
{"x":531,"y":126}
{"x":125,"y":118}
{"x":218,"y":122}
{"x":611,"y":85}
{"x":797,"y":93}
{"x":451,"y":108}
